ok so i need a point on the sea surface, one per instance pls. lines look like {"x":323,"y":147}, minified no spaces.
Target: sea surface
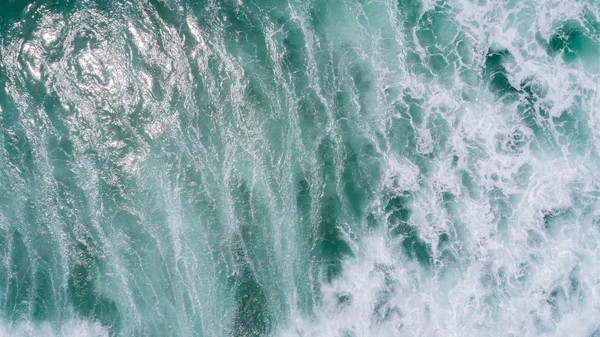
{"x":299,"y":168}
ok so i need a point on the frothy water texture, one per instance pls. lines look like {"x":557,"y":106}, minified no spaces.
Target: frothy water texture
{"x":300,"y":168}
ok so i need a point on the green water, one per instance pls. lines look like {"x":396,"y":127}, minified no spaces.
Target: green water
{"x":299,"y":168}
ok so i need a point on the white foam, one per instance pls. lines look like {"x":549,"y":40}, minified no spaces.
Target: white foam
{"x":401,"y":175}
{"x":538,"y":275}
{"x":71,"y":328}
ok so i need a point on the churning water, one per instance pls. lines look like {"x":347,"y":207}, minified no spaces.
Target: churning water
{"x":300,"y":168}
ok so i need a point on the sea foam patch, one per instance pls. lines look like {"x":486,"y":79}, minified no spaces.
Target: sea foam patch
{"x":71,"y":328}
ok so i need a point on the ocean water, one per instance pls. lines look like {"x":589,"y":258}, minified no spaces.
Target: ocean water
{"x":299,"y":168}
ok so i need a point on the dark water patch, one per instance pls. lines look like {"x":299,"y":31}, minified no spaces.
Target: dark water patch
{"x":416,"y":248}
{"x":305,"y":230}
{"x":446,"y":260}
{"x":398,"y":222}
{"x":444,"y":241}
{"x":294,"y":47}
{"x":258,"y":261}
{"x":553,"y":220}
{"x":399,"y":210}
{"x":359,"y":178}
{"x":21,"y":16}
{"x":534,"y":114}
{"x":329,"y":245}
{"x":14,"y":10}
{"x":557,"y":300}
{"x":253,"y":226}
{"x":44,"y":297}
{"x":312,"y":118}
{"x":356,"y":193}
{"x":343,"y":300}
{"x":257,"y":98}
{"x":89,"y":262}
{"x":573,"y":42}
{"x":252,"y":316}
{"x":497,"y":75}
{"x":84,"y":289}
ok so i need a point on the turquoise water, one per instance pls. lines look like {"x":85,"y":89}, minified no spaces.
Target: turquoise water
{"x":300,"y":168}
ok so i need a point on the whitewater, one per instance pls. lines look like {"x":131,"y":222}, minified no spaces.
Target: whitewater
{"x":299,"y":168}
